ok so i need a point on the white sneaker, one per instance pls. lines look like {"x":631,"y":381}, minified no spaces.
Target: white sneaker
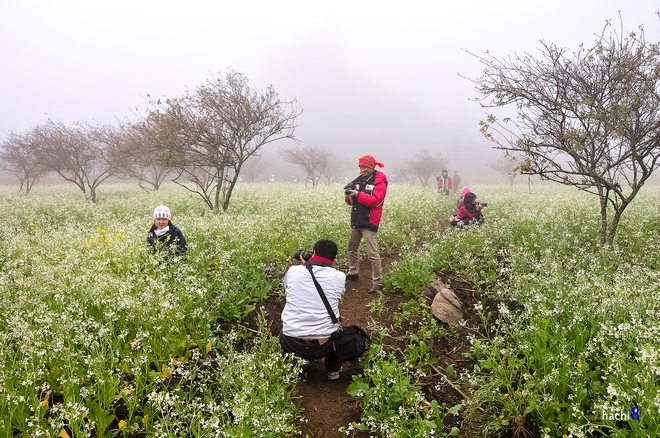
{"x":334,"y":375}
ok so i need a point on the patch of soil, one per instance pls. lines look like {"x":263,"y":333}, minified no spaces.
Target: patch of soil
{"x":325,"y":404}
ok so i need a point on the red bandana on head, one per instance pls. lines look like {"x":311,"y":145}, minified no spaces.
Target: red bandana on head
{"x":369,"y":161}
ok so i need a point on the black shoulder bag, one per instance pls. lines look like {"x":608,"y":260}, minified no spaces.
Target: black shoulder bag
{"x":347,"y":342}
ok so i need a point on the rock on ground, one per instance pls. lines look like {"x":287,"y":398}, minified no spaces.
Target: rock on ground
{"x":446,"y":306}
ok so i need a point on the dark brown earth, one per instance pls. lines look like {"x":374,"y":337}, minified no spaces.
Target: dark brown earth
{"x":326,"y":406}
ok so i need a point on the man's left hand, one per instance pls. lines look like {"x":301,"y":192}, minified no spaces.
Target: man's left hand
{"x":352,"y":193}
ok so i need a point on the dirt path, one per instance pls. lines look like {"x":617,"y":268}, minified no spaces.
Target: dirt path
{"x":326,"y":406}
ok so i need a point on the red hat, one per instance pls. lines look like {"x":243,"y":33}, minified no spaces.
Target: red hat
{"x":369,"y":161}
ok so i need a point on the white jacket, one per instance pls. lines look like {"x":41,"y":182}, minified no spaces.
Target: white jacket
{"x":304,"y":315}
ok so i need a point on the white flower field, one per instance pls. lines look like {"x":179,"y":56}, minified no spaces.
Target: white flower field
{"x":99,"y":337}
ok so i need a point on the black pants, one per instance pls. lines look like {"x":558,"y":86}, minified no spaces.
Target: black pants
{"x":470,"y":221}
{"x":311,"y":349}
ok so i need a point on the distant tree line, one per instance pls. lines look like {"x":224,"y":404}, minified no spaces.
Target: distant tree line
{"x":201,"y":140}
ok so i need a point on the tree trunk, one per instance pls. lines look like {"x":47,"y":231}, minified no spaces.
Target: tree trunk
{"x":603,"y":217}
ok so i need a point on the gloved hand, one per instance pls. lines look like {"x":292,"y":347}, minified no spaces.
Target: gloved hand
{"x":352,"y":193}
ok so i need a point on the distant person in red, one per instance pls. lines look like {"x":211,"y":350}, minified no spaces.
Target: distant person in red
{"x":366,"y":195}
{"x":444,"y":182}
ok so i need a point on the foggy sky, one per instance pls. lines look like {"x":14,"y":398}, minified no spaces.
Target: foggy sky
{"x":372,"y":78}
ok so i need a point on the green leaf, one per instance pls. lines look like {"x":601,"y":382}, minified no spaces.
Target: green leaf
{"x":356,"y":387}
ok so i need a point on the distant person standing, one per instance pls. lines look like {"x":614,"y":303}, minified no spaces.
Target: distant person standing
{"x":457,"y":181}
{"x":366,"y":199}
{"x":444,"y":182}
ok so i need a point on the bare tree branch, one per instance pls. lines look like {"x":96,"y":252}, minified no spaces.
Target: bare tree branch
{"x":18,"y":156}
{"x":209,"y":133}
{"x":590,"y":119}
{"x":312,"y":159}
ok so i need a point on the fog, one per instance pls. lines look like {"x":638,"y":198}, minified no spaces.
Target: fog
{"x":371,"y":78}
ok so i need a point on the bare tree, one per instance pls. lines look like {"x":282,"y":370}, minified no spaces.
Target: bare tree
{"x":405,"y":173}
{"x":424,"y":166}
{"x":147,"y":161}
{"x":313,"y":160}
{"x":253,"y":168}
{"x":211,"y":131}
{"x":506,"y":167}
{"x":589,"y":119}
{"x":80,"y":153}
{"x":335,"y":169}
{"x":18,"y":156}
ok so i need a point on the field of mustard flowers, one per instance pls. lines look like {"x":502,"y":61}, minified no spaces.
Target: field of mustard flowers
{"x":101,"y":338}
{"x":575,"y":349}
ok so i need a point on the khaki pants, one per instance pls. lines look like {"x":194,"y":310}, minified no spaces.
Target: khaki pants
{"x":371,"y":242}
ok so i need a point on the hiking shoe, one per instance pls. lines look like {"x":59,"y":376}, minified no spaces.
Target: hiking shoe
{"x":334,"y":375}
{"x":375,"y":288}
{"x":352,"y":276}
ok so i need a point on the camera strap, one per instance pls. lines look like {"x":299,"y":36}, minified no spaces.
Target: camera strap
{"x":324,"y":298}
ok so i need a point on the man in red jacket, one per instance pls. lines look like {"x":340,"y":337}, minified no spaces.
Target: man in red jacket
{"x":366,"y":201}
{"x":444,"y":182}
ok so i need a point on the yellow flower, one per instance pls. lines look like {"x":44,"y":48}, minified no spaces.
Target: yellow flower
{"x":208,"y":347}
{"x":86,"y":243}
{"x":130,"y":250}
{"x":63,"y":434}
{"x":45,"y":400}
{"x":122,"y":424}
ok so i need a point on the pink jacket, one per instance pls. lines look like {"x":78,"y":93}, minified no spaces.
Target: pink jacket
{"x":463,"y":213}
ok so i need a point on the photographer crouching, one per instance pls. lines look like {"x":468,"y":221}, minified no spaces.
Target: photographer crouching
{"x":366,"y":195}
{"x":469,"y":212}
{"x":306,"y":326}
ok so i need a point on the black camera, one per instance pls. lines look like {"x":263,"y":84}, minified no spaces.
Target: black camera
{"x":306,"y":255}
{"x":483,"y":204}
{"x":350,"y":187}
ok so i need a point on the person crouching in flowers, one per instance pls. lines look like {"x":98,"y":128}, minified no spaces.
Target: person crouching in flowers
{"x":164,"y":236}
{"x":469,"y":212}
